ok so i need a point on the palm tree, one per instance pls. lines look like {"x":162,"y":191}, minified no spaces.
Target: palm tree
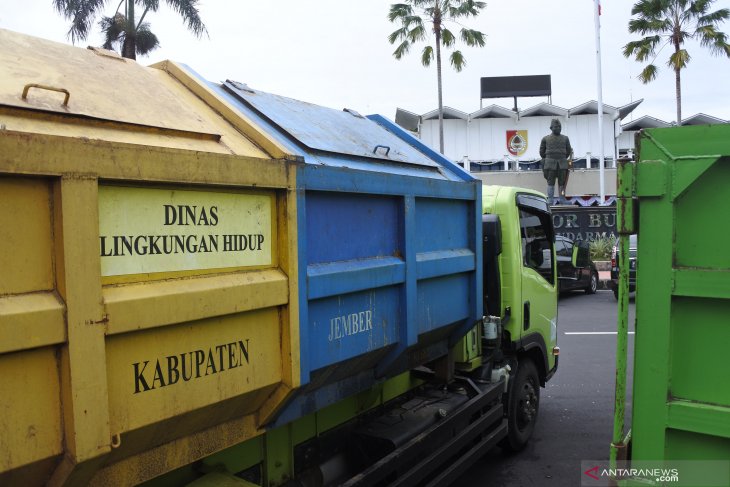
{"x":415,"y":15}
{"x":123,"y":28}
{"x":673,"y":22}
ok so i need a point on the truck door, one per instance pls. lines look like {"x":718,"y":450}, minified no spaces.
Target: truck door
{"x":573,"y":259}
{"x":539,"y":281}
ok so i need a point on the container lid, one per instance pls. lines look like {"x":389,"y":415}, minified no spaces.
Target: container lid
{"x":326,"y":129}
{"x":52,"y":77}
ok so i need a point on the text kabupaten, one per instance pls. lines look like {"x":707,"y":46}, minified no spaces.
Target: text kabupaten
{"x":170,"y":370}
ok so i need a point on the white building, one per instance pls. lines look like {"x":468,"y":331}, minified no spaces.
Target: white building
{"x":483,"y":136}
{"x":501,"y":146}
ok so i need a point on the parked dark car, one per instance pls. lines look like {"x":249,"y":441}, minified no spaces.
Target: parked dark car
{"x":576,"y":270}
{"x":632,"y":267}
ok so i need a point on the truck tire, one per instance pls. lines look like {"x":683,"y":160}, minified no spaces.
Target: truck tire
{"x":593,"y":284}
{"x":522,"y":406}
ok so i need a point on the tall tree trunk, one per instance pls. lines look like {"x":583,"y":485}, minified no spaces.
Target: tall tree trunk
{"x":676,"y":37}
{"x":129,"y":47}
{"x":440,"y":90}
{"x":437,"y":32}
{"x":678,"y":86}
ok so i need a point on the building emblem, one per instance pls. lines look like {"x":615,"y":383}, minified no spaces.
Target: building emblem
{"x":517,"y":142}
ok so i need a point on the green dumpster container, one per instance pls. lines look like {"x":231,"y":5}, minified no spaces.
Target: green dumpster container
{"x":681,"y":391}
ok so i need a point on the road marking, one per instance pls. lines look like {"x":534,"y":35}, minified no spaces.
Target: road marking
{"x":593,"y":332}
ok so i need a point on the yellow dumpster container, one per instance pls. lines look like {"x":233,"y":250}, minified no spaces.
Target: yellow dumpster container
{"x":148,"y":311}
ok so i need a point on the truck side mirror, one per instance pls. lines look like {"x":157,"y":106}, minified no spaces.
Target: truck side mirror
{"x":581,"y":255}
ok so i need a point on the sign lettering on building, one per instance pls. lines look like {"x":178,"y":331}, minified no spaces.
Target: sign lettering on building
{"x":585,"y":223}
{"x":145,"y":230}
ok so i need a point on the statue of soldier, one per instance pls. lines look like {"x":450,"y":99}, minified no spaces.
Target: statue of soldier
{"x":555,"y":150}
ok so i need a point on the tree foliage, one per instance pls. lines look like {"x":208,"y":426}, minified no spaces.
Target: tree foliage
{"x":672,"y":23}
{"x":124,"y":30}
{"x":419,"y":19}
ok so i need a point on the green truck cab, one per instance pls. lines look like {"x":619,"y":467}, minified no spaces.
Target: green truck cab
{"x":520,"y":283}
{"x":528,"y":271}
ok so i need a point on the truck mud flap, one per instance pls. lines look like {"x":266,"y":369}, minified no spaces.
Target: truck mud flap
{"x":440,"y":454}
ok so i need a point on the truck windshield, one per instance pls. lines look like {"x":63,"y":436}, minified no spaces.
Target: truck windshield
{"x":537,"y":246}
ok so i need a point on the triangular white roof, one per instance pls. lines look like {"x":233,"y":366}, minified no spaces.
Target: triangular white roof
{"x":588,"y":108}
{"x":449,"y":113}
{"x":591,"y":108}
{"x":493,"y":111}
{"x":702,"y":119}
{"x":544,"y":110}
{"x":628,"y":108}
{"x":407,"y":120}
{"x":645,"y":122}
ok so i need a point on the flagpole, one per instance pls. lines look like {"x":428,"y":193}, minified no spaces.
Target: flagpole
{"x":596,"y":16}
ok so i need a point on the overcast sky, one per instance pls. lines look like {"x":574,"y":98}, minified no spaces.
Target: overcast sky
{"x":335,"y":53}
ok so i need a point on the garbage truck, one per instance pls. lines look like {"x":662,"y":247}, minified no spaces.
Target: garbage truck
{"x":670,"y":203}
{"x":203,"y":283}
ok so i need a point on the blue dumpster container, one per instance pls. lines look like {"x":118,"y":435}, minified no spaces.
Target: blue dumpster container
{"x":389,"y":233}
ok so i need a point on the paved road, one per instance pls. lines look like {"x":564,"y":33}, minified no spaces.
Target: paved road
{"x":576,"y":408}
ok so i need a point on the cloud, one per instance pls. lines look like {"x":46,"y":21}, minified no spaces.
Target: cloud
{"x":335,"y":53}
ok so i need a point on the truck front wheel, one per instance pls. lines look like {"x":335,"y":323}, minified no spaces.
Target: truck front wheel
{"x":522,"y":406}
